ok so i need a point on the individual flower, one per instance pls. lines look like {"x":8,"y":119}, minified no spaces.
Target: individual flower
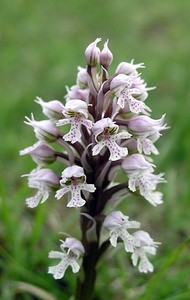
{"x":44,"y":130}
{"x":76,"y":114}
{"x":106,"y":56}
{"x":74,"y":181}
{"x":118,"y":224}
{"x":146,"y":131}
{"x":41,"y":153}
{"x":141,"y":177}
{"x":147,"y":246}
{"x":122,"y":87}
{"x":70,"y":254}
{"x":92,"y":53}
{"x":106,"y":134}
{"x":52,"y":109}
{"x":45,"y":181}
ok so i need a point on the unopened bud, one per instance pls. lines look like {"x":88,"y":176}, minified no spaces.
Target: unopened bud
{"x":52,"y":109}
{"x":44,"y":130}
{"x":106,"y":57}
{"x":41,"y":153}
{"x":92,"y":54}
{"x":128,"y":68}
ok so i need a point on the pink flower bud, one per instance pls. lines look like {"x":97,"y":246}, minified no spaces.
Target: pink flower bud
{"x":44,"y":130}
{"x":145,"y":125}
{"x":43,"y":176}
{"x":106,"y":57}
{"x":128,"y":68}
{"x":41,"y":153}
{"x":92,"y":54}
{"x":136,"y":162}
{"x":52,"y":109}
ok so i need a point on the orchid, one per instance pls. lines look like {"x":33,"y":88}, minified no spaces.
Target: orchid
{"x":76,"y":114}
{"x":103,"y":155}
{"x":72,"y":249}
{"x":118,"y":226}
{"x":105,"y":132}
{"x":146,"y":246}
{"x":140,"y":173}
{"x":74,"y":181}
{"x":45,"y":181}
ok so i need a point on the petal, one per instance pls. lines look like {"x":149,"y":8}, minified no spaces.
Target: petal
{"x":63,"y":122}
{"x":59,"y":194}
{"x":116,"y":152}
{"x":122,"y":135}
{"x":74,"y":134}
{"x":97,"y":148}
{"x":45,"y":196}
{"x":135,"y":257}
{"x":56,"y":254}
{"x":87,"y":187}
{"x":132,"y":183}
{"x":75,"y":266}
{"x":86,"y":123}
{"x":136,"y":106}
{"x":121,"y":100}
{"x":155,"y":198}
{"x":113,"y":238}
{"x":129,"y":241}
{"x":34,"y":201}
{"x":145,"y":265}
{"x":76,"y":199}
{"x":59,"y":270}
{"x":146,"y":145}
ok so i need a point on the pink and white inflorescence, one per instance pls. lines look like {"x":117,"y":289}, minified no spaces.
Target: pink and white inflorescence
{"x":103,"y":126}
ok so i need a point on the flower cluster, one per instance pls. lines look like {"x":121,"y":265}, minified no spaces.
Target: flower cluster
{"x":103,"y":126}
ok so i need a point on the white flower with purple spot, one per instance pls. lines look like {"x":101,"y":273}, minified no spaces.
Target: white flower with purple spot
{"x":70,"y":254}
{"x":76,"y":114}
{"x":74,"y":181}
{"x":141,"y":177}
{"x":118,"y":224}
{"x":122,"y":87}
{"x":147,"y":246}
{"x":146,"y":131}
{"x":106,"y":135}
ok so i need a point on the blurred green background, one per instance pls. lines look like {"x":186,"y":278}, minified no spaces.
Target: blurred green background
{"x":42,"y":43}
